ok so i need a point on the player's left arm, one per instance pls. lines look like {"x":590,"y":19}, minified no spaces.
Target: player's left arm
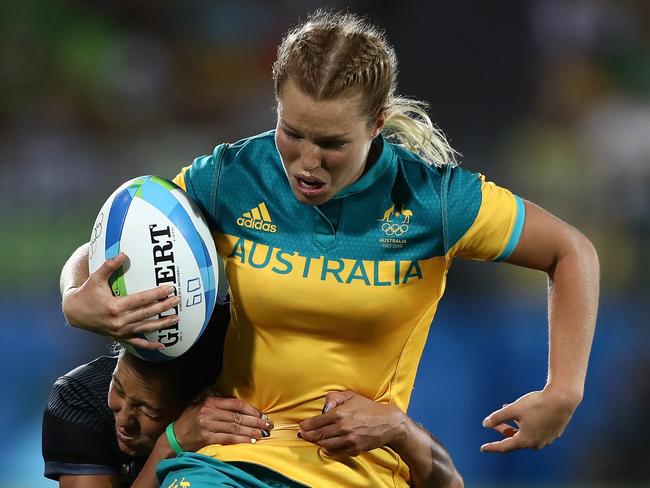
{"x":571,"y":263}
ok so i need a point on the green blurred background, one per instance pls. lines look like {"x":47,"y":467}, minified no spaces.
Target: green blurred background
{"x":550,"y":98}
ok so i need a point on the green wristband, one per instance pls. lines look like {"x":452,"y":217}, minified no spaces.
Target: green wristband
{"x":171,"y":438}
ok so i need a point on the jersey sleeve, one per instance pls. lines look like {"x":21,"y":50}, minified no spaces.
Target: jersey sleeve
{"x":201,"y":180}
{"x":480,"y":219}
{"x":77,"y":438}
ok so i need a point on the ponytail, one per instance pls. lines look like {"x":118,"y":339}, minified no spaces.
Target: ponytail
{"x":408,"y":124}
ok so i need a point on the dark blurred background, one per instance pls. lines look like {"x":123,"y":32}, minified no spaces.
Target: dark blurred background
{"x":550,"y":98}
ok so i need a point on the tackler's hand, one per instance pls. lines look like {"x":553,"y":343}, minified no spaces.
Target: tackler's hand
{"x":351,"y":424}
{"x":220,"y":420}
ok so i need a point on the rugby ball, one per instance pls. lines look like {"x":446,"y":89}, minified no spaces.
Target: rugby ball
{"x":167,"y":242}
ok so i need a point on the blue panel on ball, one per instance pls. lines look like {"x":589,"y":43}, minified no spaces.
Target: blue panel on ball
{"x":115,"y":223}
{"x":210,"y":285}
{"x":112,"y":251}
{"x":184,"y":223}
{"x":159,"y":196}
{"x":207,"y":270}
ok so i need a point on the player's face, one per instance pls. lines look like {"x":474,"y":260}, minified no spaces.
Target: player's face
{"x":324,"y":144}
{"x":141,"y":408}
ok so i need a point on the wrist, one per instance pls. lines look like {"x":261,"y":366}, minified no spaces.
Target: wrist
{"x":66,"y":296}
{"x":163,"y":447}
{"x":566,"y":395}
{"x":171,"y":439}
{"x":401,"y":434}
{"x":68,"y":290}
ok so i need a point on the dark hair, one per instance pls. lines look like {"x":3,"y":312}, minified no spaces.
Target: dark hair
{"x":199,"y":367}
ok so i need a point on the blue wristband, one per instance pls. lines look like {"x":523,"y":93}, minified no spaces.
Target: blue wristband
{"x":171,"y":438}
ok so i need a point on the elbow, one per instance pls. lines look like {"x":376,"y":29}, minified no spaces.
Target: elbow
{"x":450,"y":479}
{"x":578,"y":249}
{"x":587,"y":259}
{"x":586,"y":249}
{"x":457,"y":481}
{"x":589,"y":250}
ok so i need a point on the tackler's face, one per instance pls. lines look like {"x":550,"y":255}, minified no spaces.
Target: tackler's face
{"x":324,"y":144}
{"x":142,"y":405}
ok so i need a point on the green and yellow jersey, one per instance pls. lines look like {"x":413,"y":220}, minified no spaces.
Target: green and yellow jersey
{"x":338,"y":296}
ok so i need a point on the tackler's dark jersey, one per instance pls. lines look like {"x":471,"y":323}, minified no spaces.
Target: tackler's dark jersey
{"x":79,"y":427}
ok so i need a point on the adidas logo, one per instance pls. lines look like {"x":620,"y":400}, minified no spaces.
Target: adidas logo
{"x":257,"y":218}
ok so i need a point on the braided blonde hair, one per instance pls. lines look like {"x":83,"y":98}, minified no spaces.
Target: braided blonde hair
{"x":332,"y":54}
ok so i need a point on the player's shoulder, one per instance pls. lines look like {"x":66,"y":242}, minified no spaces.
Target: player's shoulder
{"x":97,"y":368}
{"x":411,"y":159}
{"x":427,"y":172}
{"x":84,"y":387}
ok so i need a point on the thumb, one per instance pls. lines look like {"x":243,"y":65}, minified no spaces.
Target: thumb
{"x":336,"y":398}
{"x":108,"y":267}
{"x":508,"y":412}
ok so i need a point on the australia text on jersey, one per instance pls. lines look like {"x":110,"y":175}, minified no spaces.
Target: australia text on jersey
{"x":345,"y":271}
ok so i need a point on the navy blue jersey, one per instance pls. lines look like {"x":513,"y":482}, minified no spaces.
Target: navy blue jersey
{"x":79,"y":427}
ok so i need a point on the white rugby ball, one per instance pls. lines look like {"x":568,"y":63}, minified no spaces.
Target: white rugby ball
{"x":168,"y":242}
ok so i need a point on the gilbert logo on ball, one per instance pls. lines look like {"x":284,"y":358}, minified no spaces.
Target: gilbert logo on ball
{"x":168,"y":242}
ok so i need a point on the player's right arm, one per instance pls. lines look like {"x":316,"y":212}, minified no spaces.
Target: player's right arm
{"x":89,"y":304}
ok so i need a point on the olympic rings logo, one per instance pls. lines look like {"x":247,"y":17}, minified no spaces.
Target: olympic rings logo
{"x":394,"y":229}
{"x":96,"y":234}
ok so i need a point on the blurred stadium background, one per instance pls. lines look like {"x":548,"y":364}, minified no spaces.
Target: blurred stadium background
{"x":550,"y":98}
